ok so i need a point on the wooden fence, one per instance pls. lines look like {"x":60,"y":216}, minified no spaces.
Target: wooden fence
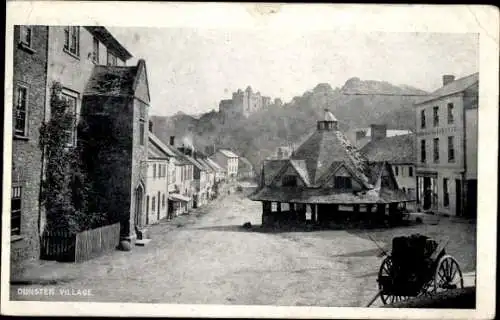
{"x":63,"y":246}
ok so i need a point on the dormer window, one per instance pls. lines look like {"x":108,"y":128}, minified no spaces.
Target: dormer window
{"x":289,"y":181}
{"x":343,"y":183}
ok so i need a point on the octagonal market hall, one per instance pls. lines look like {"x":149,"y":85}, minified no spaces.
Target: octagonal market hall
{"x":327,"y":180}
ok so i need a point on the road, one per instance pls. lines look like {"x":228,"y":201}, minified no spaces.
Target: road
{"x":207,"y":258}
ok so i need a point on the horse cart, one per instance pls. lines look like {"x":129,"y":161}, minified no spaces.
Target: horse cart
{"x":417,"y":266}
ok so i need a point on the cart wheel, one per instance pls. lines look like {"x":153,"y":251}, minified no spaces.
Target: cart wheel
{"x":386,"y":271}
{"x":448,"y":275}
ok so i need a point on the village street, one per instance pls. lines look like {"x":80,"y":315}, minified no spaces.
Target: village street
{"x":207,"y":257}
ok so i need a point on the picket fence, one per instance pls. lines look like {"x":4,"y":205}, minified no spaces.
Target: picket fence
{"x":68,"y":247}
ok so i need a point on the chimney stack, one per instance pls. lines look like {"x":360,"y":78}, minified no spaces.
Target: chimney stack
{"x":172,"y":140}
{"x":447,"y":78}
{"x":378,"y":131}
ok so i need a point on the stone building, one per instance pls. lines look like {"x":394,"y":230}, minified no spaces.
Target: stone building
{"x":103,"y":92}
{"x":28,"y":110}
{"x":327,"y":179}
{"x":399,"y":152}
{"x":243,"y":103}
{"x":446,"y":133}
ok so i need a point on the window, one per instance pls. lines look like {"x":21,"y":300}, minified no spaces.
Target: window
{"x":111,"y":59}
{"x":289,"y":181}
{"x":422,"y":151}
{"x":72,"y":40}
{"x":154,"y":170}
{"x":141,"y":132}
{"x":451,"y":149}
{"x":436,"y":150}
{"x":450,"y":113}
{"x":422,"y":118}
{"x":435,"y":113}
{"x":172,"y":174}
{"x":410,"y":171}
{"x":396,"y":170}
{"x":343,"y":183}
{"x":153,"y":204}
{"x":15,"y":212}
{"x":95,"y":51}
{"x":163,"y":201}
{"x":27,"y":36}
{"x":20,"y":111}
{"x":71,"y":101}
{"x":446,"y":195}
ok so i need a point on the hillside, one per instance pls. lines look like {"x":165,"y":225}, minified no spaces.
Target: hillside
{"x":356,"y":104}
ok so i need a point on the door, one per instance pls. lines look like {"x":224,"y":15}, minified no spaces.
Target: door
{"x":427,"y":193}
{"x":158,"y":216}
{"x":458,"y":197}
{"x":471,"y":211}
{"x":147,"y":209}
{"x":139,"y":194}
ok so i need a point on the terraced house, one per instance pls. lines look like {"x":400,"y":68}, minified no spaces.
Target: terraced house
{"x":446,"y":133}
{"x":90,"y":66}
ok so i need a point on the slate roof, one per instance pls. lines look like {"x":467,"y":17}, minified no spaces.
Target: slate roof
{"x":323,"y":148}
{"x":228,"y":153}
{"x":456,"y":86}
{"x":204,"y":163}
{"x":112,"y":81}
{"x":326,"y":196}
{"x":396,"y":149}
{"x":271,"y":168}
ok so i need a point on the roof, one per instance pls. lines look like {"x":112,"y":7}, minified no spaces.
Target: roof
{"x":328,"y":196}
{"x":112,"y":80}
{"x":271,"y":168}
{"x":159,"y":144}
{"x":110,"y":41}
{"x":228,"y":153}
{"x":453,"y":87}
{"x":214,"y":164}
{"x":396,"y":149}
{"x":181,"y":158}
{"x":203,"y":162}
{"x":389,"y":132}
{"x":325,"y":147}
{"x":242,"y":161}
{"x":195,"y":163}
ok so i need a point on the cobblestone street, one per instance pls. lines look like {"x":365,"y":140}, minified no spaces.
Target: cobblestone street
{"x":207,"y":257}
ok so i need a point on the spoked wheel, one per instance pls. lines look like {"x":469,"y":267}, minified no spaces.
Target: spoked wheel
{"x":448,"y":275}
{"x":386,"y":271}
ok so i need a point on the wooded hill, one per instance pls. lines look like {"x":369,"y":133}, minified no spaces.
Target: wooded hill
{"x":356,"y":104}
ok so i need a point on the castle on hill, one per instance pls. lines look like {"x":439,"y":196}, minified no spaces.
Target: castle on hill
{"x":244,"y":103}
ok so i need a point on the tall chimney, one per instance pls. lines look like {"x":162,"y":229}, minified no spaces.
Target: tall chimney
{"x":447,"y":78}
{"x":378,"y":131}
{"x":172,"y":140}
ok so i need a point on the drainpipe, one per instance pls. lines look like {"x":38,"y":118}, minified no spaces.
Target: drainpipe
{"x":42,"y":168}
{"x":463,"y":200}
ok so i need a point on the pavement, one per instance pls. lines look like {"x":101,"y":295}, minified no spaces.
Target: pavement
{"x":207,"y":257}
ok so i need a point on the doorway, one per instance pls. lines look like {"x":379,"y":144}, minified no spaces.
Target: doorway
{"x":458,"y":197}
{"x":139,"y":196}
{"x":427,"y":193}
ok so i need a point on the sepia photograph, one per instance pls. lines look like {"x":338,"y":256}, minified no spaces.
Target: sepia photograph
{"x":249,"y":163}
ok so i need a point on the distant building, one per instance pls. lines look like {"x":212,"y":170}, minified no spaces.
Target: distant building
{"x":447,"y":147}
{"x":243,"y":103}
{"x":227,"y":160}
{"x":361,"y":136}
{"x":399,"y":151}
{"x":328,"y":179}
{"x":180,"y":197}
{"x":245,"y":169}
{"x":283,"y":152}
{"x":157,"y":180}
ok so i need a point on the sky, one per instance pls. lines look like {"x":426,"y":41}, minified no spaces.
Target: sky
{"x":191,"y":70}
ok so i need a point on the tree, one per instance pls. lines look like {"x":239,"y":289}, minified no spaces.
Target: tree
{"x":65,"y":188}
